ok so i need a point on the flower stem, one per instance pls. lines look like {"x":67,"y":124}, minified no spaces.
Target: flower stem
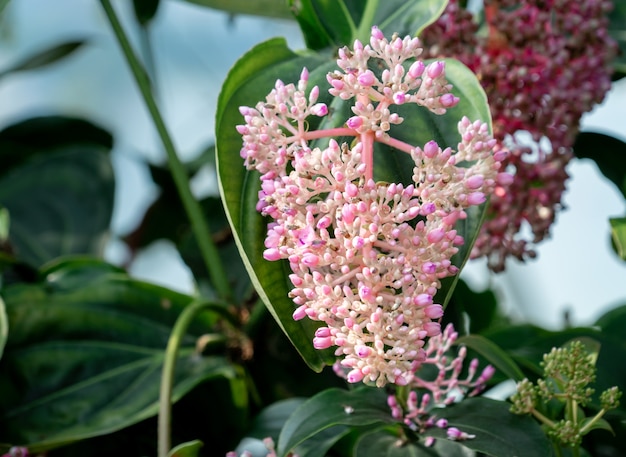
{"x":192,"y":207}
{"x":367,"y":20}
{"x":169,"y":365}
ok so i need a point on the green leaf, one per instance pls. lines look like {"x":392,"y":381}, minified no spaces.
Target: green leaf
{"x":607,"y":152}
{"x":328,"y":23}
{"x":618,"y":234}
{"x":60,"y":203}
{"x":338,"y":23}
{"x":382,"y":443}
{"x":407,"y":18}
{"x":189,"y":449}
{"x":497,"y":431}
{"x":38,"y":136}
{"x":480,"y":307}
{"x":496,"y":356}
{"x":83,"y":358}
{"x":267,"y":8}
{"x":360,"y":407}
{"x":43,"y":58}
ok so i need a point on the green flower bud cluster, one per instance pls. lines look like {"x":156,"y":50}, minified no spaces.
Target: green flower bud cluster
{"x":568,"y":372}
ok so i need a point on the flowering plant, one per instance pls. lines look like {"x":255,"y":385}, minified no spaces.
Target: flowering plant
{"x":356,"y":180}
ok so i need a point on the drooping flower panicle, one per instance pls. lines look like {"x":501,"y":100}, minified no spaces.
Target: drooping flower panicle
{"x":367,"y":258}
{"x":543,"y":64}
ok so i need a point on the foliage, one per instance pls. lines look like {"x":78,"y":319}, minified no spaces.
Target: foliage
{"x":94,"y":361}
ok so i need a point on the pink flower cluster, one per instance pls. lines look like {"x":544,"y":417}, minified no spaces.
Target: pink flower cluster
{"x":443,"y":389}
{"x":366,"y":257}
{"x":543,"y":63}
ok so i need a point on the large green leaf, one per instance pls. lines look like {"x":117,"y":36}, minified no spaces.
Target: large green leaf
{"x":364,"y":406}
{"x":332,"y":23}
{"x":84,"y":354}
{"x":382,"y":443}
{"x":496,"y":356}
{"x":268,"y":8}
{"x":607,"y":152}
{"x":58,"y":187}
{"x":497,"y":431}
{"x":59,"y":204}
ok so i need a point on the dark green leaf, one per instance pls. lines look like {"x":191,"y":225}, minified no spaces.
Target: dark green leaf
{"x":407,"y":18}
{"x":496,"y":356}
{"x":43,"y":58}
{"x":145,"y":10}
{"x":481,"y":308}
{"x":498,"y":432}
{"x":328,"y":23}
{"x":83,"y":358}
{"x":332,"y":407}
{"x":190,"y":449}
{"x":385,"y":444}
{"x":267,"y":8}
{"x":60,"y":203}
{"x":618,"y":234}
{"x":338,"y":23}
{"x":607,"y":152}
{"x":37,"y":136}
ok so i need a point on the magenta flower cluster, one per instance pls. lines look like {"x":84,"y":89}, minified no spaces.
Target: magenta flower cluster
{"x":367,"y":258}
{"x":444,"y":388}
{"x":543,"y":64}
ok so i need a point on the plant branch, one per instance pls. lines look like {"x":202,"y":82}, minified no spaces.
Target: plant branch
{"x":192,"y":207}
{"x":169,"y":366}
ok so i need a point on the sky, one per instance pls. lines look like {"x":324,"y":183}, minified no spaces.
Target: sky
{"x":193,"y":48}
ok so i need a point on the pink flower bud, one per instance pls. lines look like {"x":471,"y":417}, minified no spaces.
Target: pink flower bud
{"x":399,"y":98}
{"x":431,"y":149}
{"x":476,"y":198}
{"x":448,"y":100}
{"x":319,"y":109}
{"x":435,"y":69}
{"x":436,"y":235}
{"x":355,"y":376}
{"x":271,"y":254}
{"x":474,"y":182}
{"x":322,"y":343}
{"x":416,"y":69}
{"x":362,"y":350}
{"x":377,"y":33}
{"x":354,"y":122}
{"x":299,"y":313}
{"x":423,"y":300}
{"x":367,"y":78}
{"x":434,"y":311}
{"x":432,"y":328}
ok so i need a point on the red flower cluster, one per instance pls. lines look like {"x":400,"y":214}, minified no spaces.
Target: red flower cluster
{"x":543,"y":64}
